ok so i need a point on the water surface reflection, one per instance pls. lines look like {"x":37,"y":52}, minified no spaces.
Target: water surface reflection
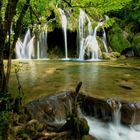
{"x":101,"y":79}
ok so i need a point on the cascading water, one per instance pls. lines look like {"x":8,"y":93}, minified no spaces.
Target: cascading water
{"x":19,"y":46}
{"x":109,"y":131}
{"x":117,"y":116}
{"x":31,"y":51}
{"x":42,"y":45}
{"x":54,"y":110}
{"x":90,"y":46}
{"x":113,"y":130}
{"x":28,"y":49}
{"x":88,"y":43}
{"x":81,"y":30}
{"x":104,"y":37}
{"x":64,"y":26}
{"x":24,"y":53}
{"x":105,"y":41}
{"x":82,"y":33}
{"x":23,"y":50}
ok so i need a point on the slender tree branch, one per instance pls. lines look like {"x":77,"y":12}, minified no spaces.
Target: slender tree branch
{"x":80,"y":6}
{"x":19,"y":22}
{"x":75,"y":96}
{"x":21,"y":91}
{"x":85,"y":6}
{"x":68,"y":3}
{"x":31,"y":16}
{"x":35,"y":14}
{"x":10,"y":13}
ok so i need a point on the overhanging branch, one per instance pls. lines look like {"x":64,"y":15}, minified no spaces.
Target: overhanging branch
{"x":10,"y":13}
{"x":68,"y":3}
{"x":80,"y":6}
{"x":35,"y":14}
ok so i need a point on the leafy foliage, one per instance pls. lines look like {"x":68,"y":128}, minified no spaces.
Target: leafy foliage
{"x":46,"y":10}
{"x":117,"y":40}
{"x":5,"y":107}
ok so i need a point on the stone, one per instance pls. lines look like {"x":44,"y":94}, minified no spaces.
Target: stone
{"x":58,"y":106}
{"x":130,"y":111}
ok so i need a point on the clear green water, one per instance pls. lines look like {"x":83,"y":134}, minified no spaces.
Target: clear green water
{"x":100,"y":79}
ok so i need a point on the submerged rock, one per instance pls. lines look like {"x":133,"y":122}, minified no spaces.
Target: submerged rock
{"x":126,"y":87}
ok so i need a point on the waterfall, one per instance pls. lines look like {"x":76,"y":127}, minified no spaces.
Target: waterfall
{"x":42,"y":44}
{"x":90,"y":30}
{"x":113,"y":130}
{"x":88,"y":44}
{"x":64,"y":26}
{"x":19,"y":46}
{"x":23,"y":49}
{"x":38,"y":51}
{"x":82,"y":34}
{"x":90,"y":47}
{"x":104,"y":37}
{"x":117,"y":116}
{"x":105,"y":41}
{"x":30,"y":50}
{"x":55,"y":109}
{"x":95,"y":46}
{"x":27,"y":48}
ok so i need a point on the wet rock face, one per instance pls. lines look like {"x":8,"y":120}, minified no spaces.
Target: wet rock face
{"x":130,"y":112}
{"x":95,"y":107}
{"x":56,"y":108}
{"x":52,"y":108}
{"x":128,"y":52}
{"x":104,"y":108}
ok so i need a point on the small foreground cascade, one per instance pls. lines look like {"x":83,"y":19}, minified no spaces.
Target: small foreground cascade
{"x":114,"y":129}
{"x":104,"y":117}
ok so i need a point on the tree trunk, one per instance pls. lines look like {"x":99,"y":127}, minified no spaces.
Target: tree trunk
{"x":4,"y":28}
{"x":17,"y":34}
{"x":2,"y":73}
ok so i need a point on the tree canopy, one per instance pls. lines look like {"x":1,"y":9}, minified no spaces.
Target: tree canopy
{"x":45,"y":10}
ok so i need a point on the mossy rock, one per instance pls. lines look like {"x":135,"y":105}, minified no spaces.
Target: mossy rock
{"x":117,"y":40}
{"x":79,"y":126}
{"x":84,"y":126}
